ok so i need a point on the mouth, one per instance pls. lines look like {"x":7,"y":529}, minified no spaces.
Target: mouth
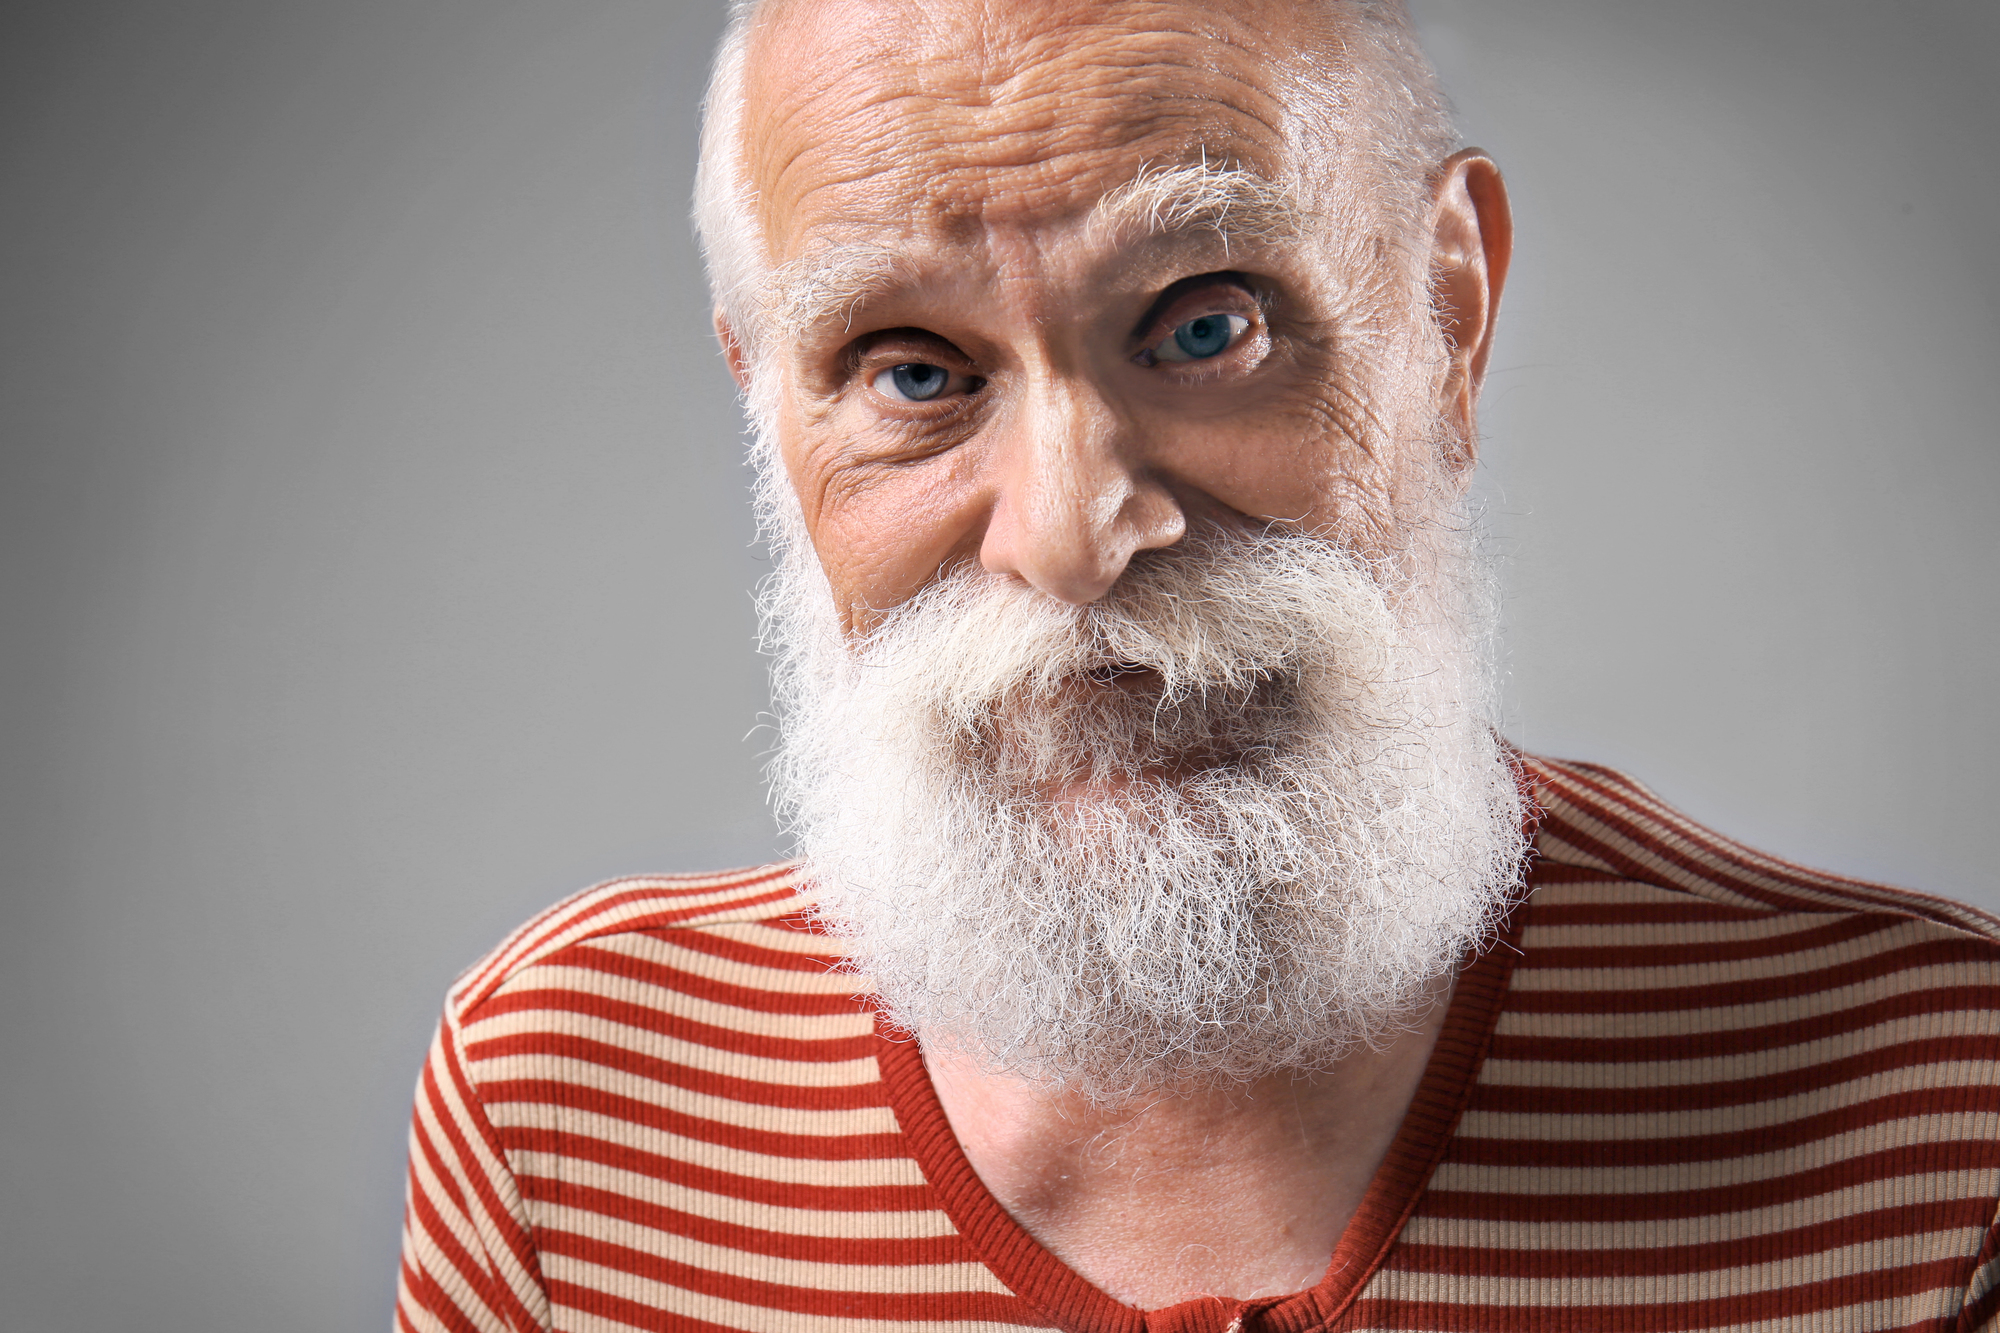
{"x":1128,"y":676}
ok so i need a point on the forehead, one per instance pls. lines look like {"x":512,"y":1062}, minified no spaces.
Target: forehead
{"x":949,"y":117}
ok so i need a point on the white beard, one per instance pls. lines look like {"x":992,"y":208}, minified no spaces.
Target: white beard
{"x":1276,"y":847}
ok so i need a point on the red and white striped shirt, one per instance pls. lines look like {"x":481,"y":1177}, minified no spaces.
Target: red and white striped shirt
{"x":1693,"y":1087}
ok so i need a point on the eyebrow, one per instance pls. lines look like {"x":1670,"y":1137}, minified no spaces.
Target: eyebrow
{"x":1232,"y":202}
{"x":830,"y":284}
{"x":1235,"y":204}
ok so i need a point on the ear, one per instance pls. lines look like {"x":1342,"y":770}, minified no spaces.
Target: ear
{"x":732,"y":350}
{"x":1472,"y":238}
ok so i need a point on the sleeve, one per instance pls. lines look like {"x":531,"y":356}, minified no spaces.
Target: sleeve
{"x":469,"y":1260}
{"x":1980,"y":1311}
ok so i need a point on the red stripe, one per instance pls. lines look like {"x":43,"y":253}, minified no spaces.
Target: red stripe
{"x":1572,"y":1152}
{"x":620,"y":1059}
{"x":1802,"y":987}
{"x":1628,"y":1049}
{"x":1666,"y":1260}
{"x":803,"y":1050}
{"x":1690,"y":908}
{"x":914,"y":1308}
{"x":558,"y":1095}
{"x":1835,"y":929}
{"x":718,"y":945}
{"x":1742,"y":1196}
{"x":907,"y":1305}
{"x":622,"y":1210}
{"x":710,"y":1180}
{"x":1758,"y":1087}
{"x":756,"y":999}
{"x":1787,"y":1304}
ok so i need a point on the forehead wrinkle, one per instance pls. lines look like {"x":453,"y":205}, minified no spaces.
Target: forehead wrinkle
{"x":943,"y":130}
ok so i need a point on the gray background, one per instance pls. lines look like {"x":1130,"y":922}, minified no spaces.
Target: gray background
{"x":376,"y":559}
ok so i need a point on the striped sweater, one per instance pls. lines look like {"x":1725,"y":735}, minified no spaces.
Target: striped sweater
{"x":1691,"y":1087}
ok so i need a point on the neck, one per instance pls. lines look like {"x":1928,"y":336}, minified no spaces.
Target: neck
{"x":1239,"y":1192}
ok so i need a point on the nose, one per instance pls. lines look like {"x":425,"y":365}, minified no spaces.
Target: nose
{"x":1074,"y":501}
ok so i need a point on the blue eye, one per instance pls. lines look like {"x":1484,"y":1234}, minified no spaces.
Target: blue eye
{"x":1199,"y":339}
{"x":913,"y":381}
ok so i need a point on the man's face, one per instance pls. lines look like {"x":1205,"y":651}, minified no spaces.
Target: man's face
{"x":1146,"y":741}
{"x":1004,"y":373}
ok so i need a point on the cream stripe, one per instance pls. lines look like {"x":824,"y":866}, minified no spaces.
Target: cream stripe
{"x":700,"y":1105}
{"x":1805,"y":1004}
{"x":755,"y":934}
{"x":750,"y":976}
{"x":1720,"y":1283}
{"x":662,"y":999}
{"x":730,"y":1314}
{"x":1675,"y":1177}
{"x":763,"y":935}
{"x":855,"y":1174}
{"x":1559,"y":1127}
{"x":917,"y":1224}
{"x":928,"y":1279}
{"x":1771,"y":928}
{"x":1528,"y":977}
{"x":1705,"y":1228}
{"x":1744,"y":1064}
{"x":673,"y":1050}
{"x":1612,"y":889}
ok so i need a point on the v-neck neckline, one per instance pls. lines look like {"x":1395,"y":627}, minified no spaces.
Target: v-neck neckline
{"x":1072,"y":1303}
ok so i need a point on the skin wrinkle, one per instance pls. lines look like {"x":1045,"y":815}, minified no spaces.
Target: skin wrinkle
{"x":785,"y":149}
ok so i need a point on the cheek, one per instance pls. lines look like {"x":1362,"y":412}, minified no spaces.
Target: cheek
{"x":883,"y":530}
{"x":1290,"y":466}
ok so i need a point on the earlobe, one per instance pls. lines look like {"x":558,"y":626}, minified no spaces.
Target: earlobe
{"x":1472,"y":240}
{"x":732,"y":350}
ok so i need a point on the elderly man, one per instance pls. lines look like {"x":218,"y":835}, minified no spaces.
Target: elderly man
{"x":1172,"y":943}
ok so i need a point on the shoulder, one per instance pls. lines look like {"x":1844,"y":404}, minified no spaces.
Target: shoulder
{"x":1598,"y":826}
{"x":745,"y":937}
{"x":1647,"y":937}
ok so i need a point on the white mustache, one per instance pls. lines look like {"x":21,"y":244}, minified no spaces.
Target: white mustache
{"x":1217,"y":617}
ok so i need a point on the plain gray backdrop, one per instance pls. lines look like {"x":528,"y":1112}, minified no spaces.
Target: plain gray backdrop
{"x":377,"y":562}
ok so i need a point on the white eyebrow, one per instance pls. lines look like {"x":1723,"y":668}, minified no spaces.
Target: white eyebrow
{"x":830,"y":284}
{"x":1232,"y":202}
